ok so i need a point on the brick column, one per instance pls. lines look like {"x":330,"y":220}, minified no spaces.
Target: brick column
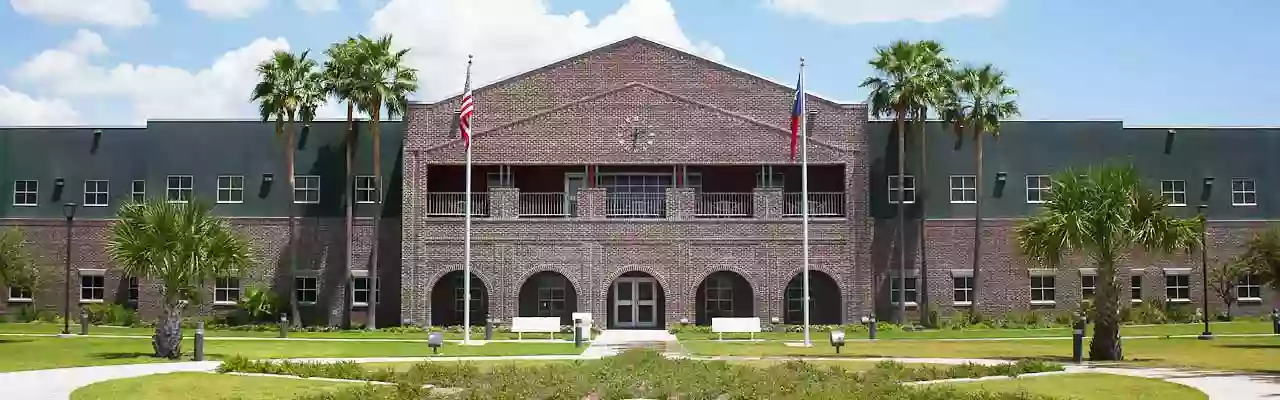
{"x":681,"y":203}
{"x":767,"y":203}
{"x":591,"y":203}
{"x":504,"y":203}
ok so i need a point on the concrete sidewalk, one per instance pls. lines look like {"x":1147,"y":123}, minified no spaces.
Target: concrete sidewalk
{"x":57,"y":384}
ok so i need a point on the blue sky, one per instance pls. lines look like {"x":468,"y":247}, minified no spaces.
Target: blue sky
{"x":1173,"y":62}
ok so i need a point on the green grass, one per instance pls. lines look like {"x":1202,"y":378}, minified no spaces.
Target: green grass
{"x":1234,"y":327}
{"x":1091,"y":386}
{"x":183,"y":385}
{"x":50,"y":328}
{"x":1251,"y":354}
{"x":29,"y":353}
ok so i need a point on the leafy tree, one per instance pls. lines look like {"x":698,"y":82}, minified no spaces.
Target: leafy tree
{"x":181,"y":245}
{"x":258,"y":303}
{"x":1262,"y":256}
{"x":1223,"y":279}
{"x":16,"y":266}
{"x":1103,"y":214}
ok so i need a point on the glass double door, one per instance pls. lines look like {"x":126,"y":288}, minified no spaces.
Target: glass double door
{"x":635,"y":303}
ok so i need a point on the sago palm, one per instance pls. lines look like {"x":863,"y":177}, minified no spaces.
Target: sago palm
{"x":386,"y":83}
{"x":180,"y":245}
{"x":16,"y":266}
{"x":1104,"y":214}
{"x":342,"y":81}
{"x":905,"y":84}
{"x":979,"y":102}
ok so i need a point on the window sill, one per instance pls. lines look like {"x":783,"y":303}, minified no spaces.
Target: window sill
{"x":361,"y":305}
{"x":225,"y":303}
{"x":1044,"y":302}
{"x":1240,"y":300}
{"x":26,"y":205}
{"x":1244,"y":205}
{"x":306,"y":202}
{"x":366,"y":202}
{"x":19,"y":300}
{"x":95,"y":205}
{"x":1135,"y":301}
{"x":1176,"y":205}
{"x":962,"y":304}
{"x":963,"y":202}
{"x":231,"y":202}
{"x":306,"y":303}
{"x":1179,"y":301}
{"x":84,"y":301}
{"x":909,"y":304}
{"x":1035,"y":202}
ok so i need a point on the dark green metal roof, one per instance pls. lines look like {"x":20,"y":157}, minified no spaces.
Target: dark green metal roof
{"x":202,"y":149}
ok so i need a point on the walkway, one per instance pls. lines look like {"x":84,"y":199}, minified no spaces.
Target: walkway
{"x":57,"y":384}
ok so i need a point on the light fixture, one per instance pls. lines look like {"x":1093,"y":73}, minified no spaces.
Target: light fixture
{"x":434,"y":341}
{"x":837,"y":339}
{"x":1001,"y":177}
{"x":69,"y":210}
{"x":1207,"y":190}
{"x":268,"y":177}
{"x":59,"y":182}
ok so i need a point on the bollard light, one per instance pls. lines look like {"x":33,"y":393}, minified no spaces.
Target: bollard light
{"x":199,"y":341}
{"x":871,"y":327}
{"x":684,"y":321}
{"x":434,"y":341}
{"x":1275,"y":321}
{"x":84,"y":322}
{"x":837,"y":339}
{"x":284,"y":325}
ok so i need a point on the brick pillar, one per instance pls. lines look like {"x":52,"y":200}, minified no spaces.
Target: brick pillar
{"x":767,"y":203}
{"x":681,"y":203}
{"x":591,"y":203}
{"x":504,"y":203}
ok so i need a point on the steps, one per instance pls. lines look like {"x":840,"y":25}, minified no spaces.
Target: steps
{"x":612,"y":342}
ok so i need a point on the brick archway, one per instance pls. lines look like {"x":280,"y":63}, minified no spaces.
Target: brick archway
{"x":440,"y":305}
{"x":547,"y":293}
{"x":723,"y":292}
{"x":663,"y":295}
{"x":825,"y":289}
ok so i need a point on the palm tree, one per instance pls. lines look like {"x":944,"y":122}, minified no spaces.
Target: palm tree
{"x":1104,"y":214}
{"x":16,"y":266}
{"x":905,"y":84}
{"x":1262,"y":255}
{"x":342,"y":80}
{"x":183,"y":246}
{"x":936,"y":68}
{"x":980,"y":101}
{"x":282,"y":94}
{"x":386,"y":82}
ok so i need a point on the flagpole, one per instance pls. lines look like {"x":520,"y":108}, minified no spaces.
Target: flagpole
{"x":466,"y":264}
{"x":804,"y":198}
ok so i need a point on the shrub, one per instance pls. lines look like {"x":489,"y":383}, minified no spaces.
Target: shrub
{"x":1150,"y":311}
{"x":111,"y":314}
{"x":1180,"y":313}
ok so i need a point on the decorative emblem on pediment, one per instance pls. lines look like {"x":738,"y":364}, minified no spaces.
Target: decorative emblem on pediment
{"x":635,"y":134}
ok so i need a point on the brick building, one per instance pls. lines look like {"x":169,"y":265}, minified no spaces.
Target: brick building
{"x":637,"y":182}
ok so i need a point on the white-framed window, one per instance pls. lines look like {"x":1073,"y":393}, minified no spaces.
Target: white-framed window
{"x":226,"y":290}
{"x":1244,"y":192}
{"x":1043,"y":288}
{"x":1174,"y":192}
{"x":964,"y":189}
{"x":96,"y":193}
{"x":93,"y":286}
{"x":895,"y":289}
{"x":502,"y":178}
{"x":962,"y":290}
{"x":178,"y":188}
{"x":718,"y":296}
{"x":908,"y":189}
{"x":1135,"y":287}
{"x":306,"y":189}
{"x":774,"y":180}
{"x":1177,"y":285}
{"x":133,"y":289}
{"x":1088,"y":284}
{"x":138,"y":191}
{"x":307,"y":289}
{"x":360,"y":291}
{"x":1249,"y":288}
{"x":26,"y":193}
{"x":1038,"y":188}
{"x":366,"y":189}
{"x":231,"y":189}
{"x":20,"y":294}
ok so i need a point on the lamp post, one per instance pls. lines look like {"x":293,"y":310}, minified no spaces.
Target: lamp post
{"x":69,"y":211}
{"x":1204,"y":271}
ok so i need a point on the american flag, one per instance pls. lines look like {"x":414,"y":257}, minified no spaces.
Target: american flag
{"x":464,"y":112}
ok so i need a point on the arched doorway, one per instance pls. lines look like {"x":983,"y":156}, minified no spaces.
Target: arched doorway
{"x":447,"y":300}
{"x":825,"y":307}
{"x":548,"y":294}
{"x":636,"y":301}
{"x":723,"y":294}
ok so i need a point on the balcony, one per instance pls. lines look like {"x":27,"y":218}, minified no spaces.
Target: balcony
{"x":821,"y":205}
{"x":547,"y":205}
{"x":635,"y":205}
{"x":725,"y":205}
{"x":455,"y":205}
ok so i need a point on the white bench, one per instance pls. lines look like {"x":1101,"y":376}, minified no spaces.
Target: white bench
{"x":735,"y":325}
{"x":521,"y":325}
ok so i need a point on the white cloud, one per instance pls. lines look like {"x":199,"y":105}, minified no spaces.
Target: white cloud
{"x":862,"y":11}
{"x":153,"y":91}
{"x":113,"y":13}
{"x":315,"y":6}
{"x":18,"y":109}
{"x":227,"y":8}
{"x":510,"y":36}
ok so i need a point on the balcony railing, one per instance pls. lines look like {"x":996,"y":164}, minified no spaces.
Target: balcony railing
{"x":636,"y":205}
{"x":544,"y":205}
{"x":820,"y":204}
{"x":725,"y":205}
{"x":454,"y":204}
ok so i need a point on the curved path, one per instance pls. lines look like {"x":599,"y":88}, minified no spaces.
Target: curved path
{"x":57,"y":384}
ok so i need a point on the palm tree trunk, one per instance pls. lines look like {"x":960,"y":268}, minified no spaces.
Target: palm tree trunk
{"x":167,"y":341}
{"x":372,"y":317}
{"x":348,"y":196}
{"x":921,"y":199}
{"x":1106,"y":325}
{"x":293,"y":243}
{"x":977,"y":225}
{"x":901,"y":314}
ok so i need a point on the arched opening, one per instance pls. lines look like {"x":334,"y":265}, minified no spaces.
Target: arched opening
{"x":548,"y":294}
{"x":825,"y":307}
{"x":447,"y":300}
{"x":636,"y":301}
{"x":723,"y":294}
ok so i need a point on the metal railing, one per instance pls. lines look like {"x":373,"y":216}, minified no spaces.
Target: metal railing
{"x":543,"y":205}
{"x":454,"y":204}
{"x":725,"y":204}
{"x":821,"y":204}
{"x":636,"y":205}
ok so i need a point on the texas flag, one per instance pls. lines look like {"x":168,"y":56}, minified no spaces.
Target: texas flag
{"x":797,"y":115}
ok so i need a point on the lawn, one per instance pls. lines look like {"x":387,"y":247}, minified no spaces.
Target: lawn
{"x":1234,"y":327}
{"x":1250,"y":354}
{"x":49,"y":328}
{"x":1091,"y":386}
{"x":29,"y":353}
{"x":182,"y":385}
